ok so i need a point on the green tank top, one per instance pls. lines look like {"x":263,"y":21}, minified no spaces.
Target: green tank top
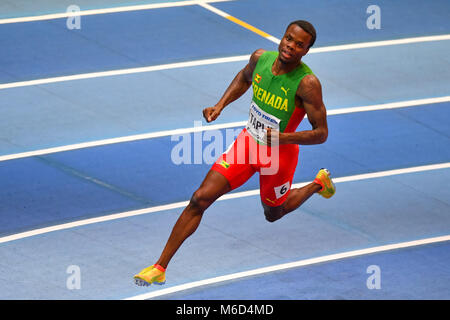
{"x":273,"y":102}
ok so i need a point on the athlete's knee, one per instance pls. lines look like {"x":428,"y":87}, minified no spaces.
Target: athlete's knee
{"x":201,"y":199}
{"x":273,"y":213}
{"x":272,"y":217}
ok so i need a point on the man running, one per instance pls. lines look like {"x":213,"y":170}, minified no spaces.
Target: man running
{"x":284,"y":90}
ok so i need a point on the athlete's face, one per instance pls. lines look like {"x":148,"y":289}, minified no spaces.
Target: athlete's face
{"x":294,"y":45}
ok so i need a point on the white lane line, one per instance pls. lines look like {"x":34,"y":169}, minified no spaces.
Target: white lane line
{"x":100,"y":74}
{"x":290,"y":265}
{"x":107,"y":10}
{"x":118,"y":140}
{"x":357,"y":177}
{"x":390,"y":105}
{"x":382,"y":43}
{"x":211,"y":61}
{"x":84,"y":222}
{"x":229,"y":196}
{"x":158,"y":134}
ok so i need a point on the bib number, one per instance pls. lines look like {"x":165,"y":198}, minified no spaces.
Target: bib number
{"x":259,"y":121}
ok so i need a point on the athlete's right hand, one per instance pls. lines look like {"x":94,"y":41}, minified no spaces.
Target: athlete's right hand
{"x":211,"y":113}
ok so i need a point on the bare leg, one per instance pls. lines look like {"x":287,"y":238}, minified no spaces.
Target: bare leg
{"x":294,"y":200}
{"x":213,"y":186}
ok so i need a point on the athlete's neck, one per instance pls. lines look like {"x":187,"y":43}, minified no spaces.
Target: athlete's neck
{"x":280,"y":67}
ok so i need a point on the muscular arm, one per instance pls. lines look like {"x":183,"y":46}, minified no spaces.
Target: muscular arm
{"x":310,"y":92}
{"x":240,"y":84}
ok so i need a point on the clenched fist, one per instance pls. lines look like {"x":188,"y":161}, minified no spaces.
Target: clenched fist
{"x":211,"y":113}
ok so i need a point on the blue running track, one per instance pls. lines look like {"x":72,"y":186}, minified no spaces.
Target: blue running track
{"x":391,"y":165}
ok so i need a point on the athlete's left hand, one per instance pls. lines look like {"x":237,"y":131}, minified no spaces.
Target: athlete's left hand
{"x":273,"y":137}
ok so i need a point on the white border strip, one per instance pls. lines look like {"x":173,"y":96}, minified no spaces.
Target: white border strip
{"x":229,"y":196}
{"x":158,"y":134}
{"x":286,"y":266}
{"x":212,"y":61}
{"x":107,"y":10}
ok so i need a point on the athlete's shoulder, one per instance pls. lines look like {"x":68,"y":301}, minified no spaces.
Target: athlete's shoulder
{"x":256,"y":55}
{"x":310,"y":80}
{"x":309,"y":84}
{"x":253,"y":61}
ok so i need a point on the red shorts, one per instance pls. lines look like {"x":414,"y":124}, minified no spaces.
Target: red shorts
{"x":276,"y":166}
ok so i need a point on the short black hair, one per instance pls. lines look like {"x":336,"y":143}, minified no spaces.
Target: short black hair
{"x":307,"y":27}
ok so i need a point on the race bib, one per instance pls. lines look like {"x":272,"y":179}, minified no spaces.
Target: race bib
{"x":259,"y":121}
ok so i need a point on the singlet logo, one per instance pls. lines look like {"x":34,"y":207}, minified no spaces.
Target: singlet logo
{"x":284,"y":90}
{"x":257,"y":78}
